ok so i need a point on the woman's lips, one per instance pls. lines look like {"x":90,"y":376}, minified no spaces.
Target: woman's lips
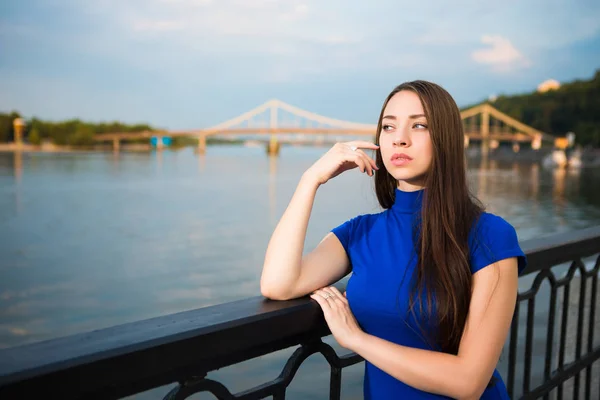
{"x":400,"y":159}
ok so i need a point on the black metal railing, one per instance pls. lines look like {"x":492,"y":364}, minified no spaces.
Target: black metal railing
{"x":183,"y":348}
{"x":545,"y":258}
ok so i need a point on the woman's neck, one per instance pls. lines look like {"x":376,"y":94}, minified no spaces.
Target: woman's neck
{"x":406,"y":186}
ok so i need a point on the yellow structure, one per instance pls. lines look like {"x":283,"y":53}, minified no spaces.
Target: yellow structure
{"x":19,"y":126}
{"x":550,"y":84}
{"x":484,"y":125}
{"x":561,"y":143}
{"x":492,"y":127}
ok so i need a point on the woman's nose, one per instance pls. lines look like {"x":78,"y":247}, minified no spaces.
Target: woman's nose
{"x":400,"y":139}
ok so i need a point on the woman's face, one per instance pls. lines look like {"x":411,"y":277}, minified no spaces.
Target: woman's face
{"x":404,"y":140}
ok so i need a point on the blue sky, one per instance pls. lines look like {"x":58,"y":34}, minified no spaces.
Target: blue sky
{"x":185,"y":64}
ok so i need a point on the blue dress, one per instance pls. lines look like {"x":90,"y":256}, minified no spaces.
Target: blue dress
{"x":379,"y":247}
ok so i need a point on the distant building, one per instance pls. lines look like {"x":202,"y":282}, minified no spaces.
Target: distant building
{"x":550,"y":84}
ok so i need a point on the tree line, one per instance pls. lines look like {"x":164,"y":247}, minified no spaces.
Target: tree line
{"x":574,"y":107}
{"x":571,"y":108}
{"x":72,"y":132}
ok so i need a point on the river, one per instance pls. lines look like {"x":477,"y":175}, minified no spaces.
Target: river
{"x":92,"y":240}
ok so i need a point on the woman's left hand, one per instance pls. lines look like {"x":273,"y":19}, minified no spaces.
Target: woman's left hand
{"x":339,"y":318}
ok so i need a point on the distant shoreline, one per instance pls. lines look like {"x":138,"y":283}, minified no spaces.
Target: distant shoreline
{"x":99,"y":148}
{"x":52,"y":148}
{"x":590,"y":157}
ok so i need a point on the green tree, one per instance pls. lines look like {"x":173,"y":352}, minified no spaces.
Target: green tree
{"x":82,"y":136}
{"x":7,"y":133}
{"x":34,"y":137}
{"x":571,"y":108}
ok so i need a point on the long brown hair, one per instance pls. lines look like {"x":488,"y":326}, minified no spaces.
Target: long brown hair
{"x":448,"y":212}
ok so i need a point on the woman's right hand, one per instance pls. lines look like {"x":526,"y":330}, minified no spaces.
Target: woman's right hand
{"x":343,"y":157}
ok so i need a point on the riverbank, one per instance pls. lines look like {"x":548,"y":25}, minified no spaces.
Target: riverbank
{"x":587,"y":157}
{"x":590,"y":157}
{"x":53,"y":148}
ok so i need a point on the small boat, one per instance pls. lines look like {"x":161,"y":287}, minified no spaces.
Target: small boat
{"x":557,"y":158}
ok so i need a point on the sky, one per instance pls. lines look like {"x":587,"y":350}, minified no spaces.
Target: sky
{"x":191,"y":64}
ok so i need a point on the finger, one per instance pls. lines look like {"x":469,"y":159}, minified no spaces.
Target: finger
{"x":325,"y":294}
{"x":358,"y":160}
{"x":369,"y":152}
{"x":331,"y":298}
{"x":334,"y":297}
{"x":338,"y":295}
{"x":323,"y":303}
{"x":370,"y":159}
{"x":368,"y":169}
{"x":363,"y":144}
{"x":373,"y":162}
{"x":347,"y":149}
{"x":369,"y":163}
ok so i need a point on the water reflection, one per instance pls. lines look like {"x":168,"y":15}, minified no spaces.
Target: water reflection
{"x":558,"y":191}
{"x":481,"y":182}
{"x":124,"y":245}
{"x":201,"y":162}
{"x":18,"y":166}
{"x":159,"y":160}
{"x":273,"y":189}
{"x":114,"y":158}
{"x":534,"y":180}
{"x":84,"y":248}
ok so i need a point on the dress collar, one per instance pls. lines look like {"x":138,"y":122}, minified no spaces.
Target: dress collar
{"x":408,"y":202}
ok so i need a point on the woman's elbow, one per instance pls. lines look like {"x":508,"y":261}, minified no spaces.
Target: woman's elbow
{"x":274,"y":292}
{"x":471,"y":389}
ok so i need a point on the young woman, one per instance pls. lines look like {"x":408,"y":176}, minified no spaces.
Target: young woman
{"x":434,"y":277}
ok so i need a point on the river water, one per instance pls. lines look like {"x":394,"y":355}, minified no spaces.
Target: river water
{"x":92,"y":240}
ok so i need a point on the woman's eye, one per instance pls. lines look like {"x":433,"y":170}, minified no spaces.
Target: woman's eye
{"x":420,"y":126}
{"x":386,"y":127}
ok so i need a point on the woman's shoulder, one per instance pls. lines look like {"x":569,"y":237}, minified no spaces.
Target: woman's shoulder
{"x":490,"y":223}
{"x":369,"y":218}
{"x":358,"y":225}
{"x":493,"y":238}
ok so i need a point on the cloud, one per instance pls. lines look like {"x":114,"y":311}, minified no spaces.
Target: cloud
{"x":274,"y":40}
{"x":188,"y":3}
{"x":194,"y":50}
{"x":502,"y":56}
{"x":257,"y":4}
{"x":437,"y":38}
{"x":298,"y":12}
{"x":158,"y":25}
{"x":203,"y":19}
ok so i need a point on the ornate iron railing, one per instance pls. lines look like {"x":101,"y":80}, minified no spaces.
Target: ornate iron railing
{"x":131,"y":358}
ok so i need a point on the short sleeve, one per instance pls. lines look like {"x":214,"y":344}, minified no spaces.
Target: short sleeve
{"x":345,"y":231}
{"x":493,"y":239}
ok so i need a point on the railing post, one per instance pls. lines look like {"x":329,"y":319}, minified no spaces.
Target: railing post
{"x":578,"y":306}
{"x":185,"y":347}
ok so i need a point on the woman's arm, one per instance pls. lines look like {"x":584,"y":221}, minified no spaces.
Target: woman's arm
{"x":462,"y":376}
{"x":286,"y":274}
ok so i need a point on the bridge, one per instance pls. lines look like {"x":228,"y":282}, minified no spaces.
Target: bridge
{"x":483,"y":124}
